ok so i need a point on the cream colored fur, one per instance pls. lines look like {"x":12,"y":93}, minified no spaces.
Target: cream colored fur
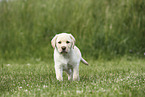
{"x":66,"y":56}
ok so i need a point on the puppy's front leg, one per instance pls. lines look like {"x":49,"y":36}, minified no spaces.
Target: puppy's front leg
{"x":58,"y":71}
{"x":76,"y":73}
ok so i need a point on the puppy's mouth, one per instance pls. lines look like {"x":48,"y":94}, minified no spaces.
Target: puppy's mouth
{"x":63,"y":52}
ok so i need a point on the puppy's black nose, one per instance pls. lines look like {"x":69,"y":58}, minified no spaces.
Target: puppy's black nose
{"x":63,"y":47}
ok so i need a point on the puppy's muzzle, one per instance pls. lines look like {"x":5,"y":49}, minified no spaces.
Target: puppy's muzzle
{"x":63,"y":49}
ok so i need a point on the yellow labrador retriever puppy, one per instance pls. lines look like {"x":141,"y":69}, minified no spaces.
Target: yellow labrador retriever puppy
{"x":66,"y":56}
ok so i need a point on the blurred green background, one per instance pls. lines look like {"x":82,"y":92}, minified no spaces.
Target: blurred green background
{"x":103,"y":28}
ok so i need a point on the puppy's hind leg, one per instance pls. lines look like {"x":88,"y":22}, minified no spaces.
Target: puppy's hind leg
{"x":69,"y":74}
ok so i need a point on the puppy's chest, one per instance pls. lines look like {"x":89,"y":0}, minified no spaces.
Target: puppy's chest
{"x":66,"y":62}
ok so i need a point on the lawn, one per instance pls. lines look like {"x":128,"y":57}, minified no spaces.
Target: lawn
{"x":119,"y":77}
{"x":110,"y":33}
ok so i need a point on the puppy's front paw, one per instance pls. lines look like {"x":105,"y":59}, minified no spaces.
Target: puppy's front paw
{"x":59,"y":78}
{"x":76,"y":78}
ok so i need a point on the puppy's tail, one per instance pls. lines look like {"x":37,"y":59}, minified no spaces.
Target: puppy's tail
{"x":84,"y":61}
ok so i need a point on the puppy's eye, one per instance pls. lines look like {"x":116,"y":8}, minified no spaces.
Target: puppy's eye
{"x":67,"y":42}
{"x":59,"y":42}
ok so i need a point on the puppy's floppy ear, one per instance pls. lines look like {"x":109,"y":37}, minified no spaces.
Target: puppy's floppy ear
{"x":73,"y":39}
{"x":53,"y":41}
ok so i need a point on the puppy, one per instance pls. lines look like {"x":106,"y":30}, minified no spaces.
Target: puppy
{"x":66,"y":56}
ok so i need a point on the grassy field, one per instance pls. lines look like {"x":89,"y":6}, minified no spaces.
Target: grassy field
{"x":109,"y":33}
{"x":116,"y":78}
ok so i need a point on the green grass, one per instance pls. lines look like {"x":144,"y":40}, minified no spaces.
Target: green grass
{"x":116,"y":78}
{"x":104,"y":29}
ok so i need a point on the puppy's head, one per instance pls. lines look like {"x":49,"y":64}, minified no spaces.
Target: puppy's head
{"x":63,"y":42}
